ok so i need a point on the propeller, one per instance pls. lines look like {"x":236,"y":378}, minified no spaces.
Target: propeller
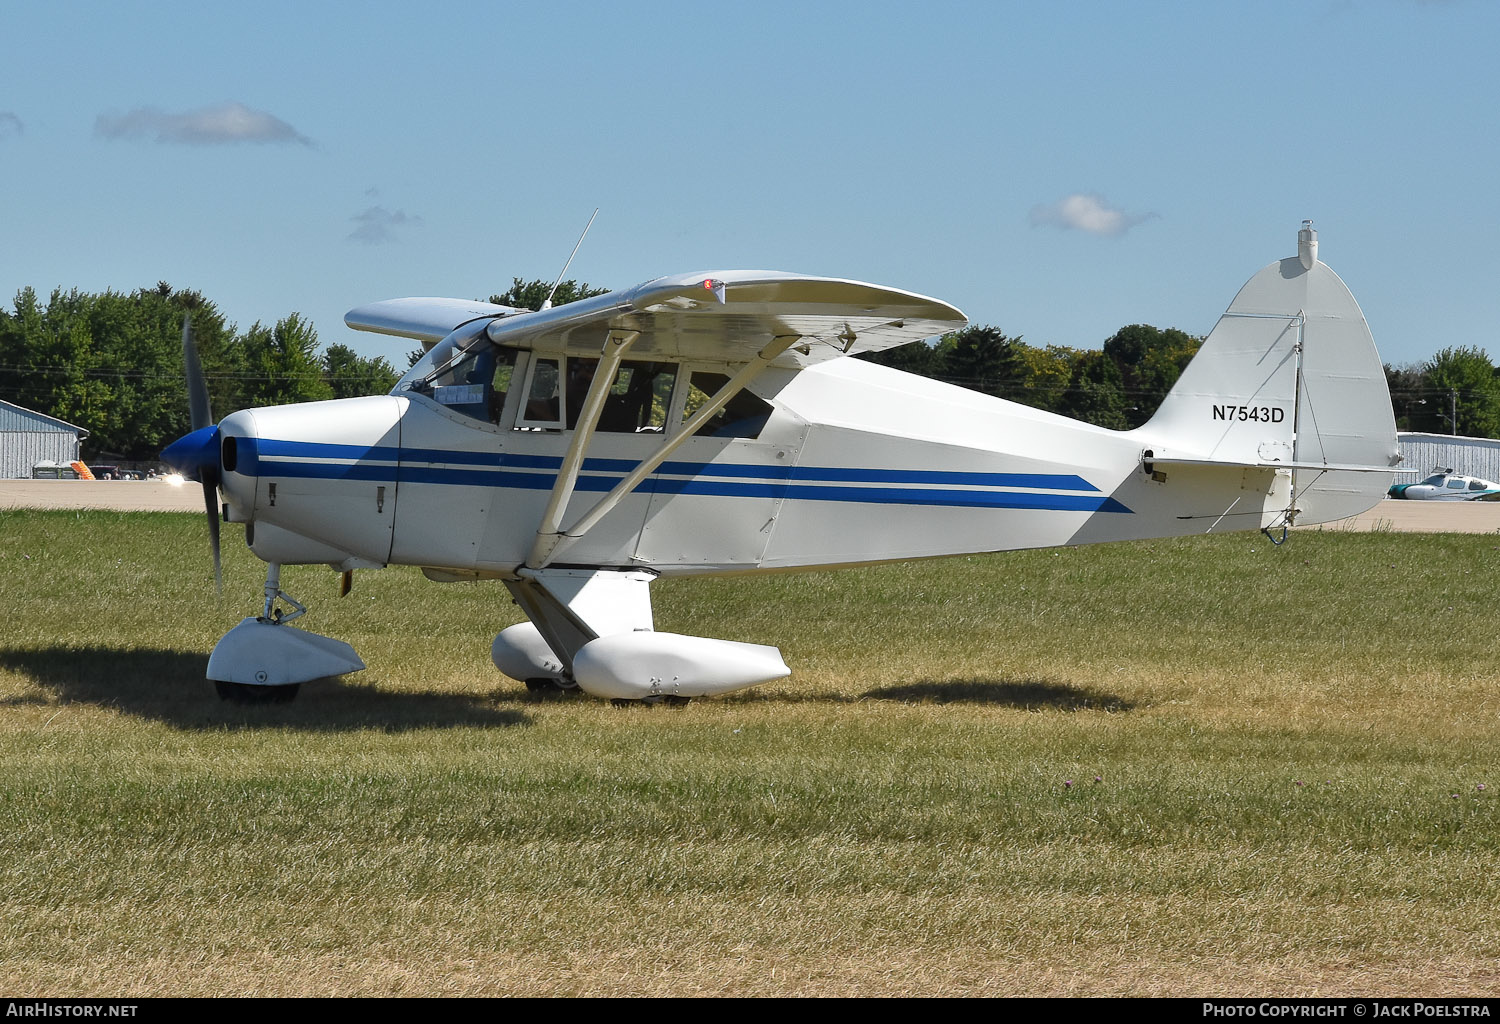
{"x":196,"y":455}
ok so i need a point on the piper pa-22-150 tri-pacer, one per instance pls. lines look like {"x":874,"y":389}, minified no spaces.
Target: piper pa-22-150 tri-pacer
{"x":715,"y":423}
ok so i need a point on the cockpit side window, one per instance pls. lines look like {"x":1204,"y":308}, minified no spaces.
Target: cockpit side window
{"x":1455,"y":485}
{"x":543,"y":407}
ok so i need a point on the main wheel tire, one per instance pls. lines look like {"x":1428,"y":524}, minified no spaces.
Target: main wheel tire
{"x":248,"y":693}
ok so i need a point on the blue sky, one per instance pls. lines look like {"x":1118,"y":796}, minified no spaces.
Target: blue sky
{"x":1055,"y":169}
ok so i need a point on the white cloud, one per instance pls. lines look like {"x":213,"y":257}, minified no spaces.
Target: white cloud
{"x":377,"y":225}
{"x":10,"y":124}
{"x":210,"y":126}
{"x":1085,"y":211}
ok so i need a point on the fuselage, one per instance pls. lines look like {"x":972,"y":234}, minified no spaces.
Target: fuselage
{"x":847,"y":463}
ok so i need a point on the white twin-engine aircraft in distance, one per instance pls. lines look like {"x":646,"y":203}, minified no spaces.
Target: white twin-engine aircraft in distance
{"x":715,"y":423}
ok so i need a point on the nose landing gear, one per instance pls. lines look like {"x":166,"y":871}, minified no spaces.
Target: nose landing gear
{"x":264,"y":661}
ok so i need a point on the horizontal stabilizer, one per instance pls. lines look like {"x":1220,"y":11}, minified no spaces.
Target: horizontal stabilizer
{"x":1149,"y":458}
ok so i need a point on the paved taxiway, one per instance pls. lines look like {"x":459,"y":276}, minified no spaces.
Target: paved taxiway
{"x":117,"y":495}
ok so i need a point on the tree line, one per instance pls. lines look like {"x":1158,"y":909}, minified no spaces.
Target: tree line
{"x":111,"y":362}
{"x":1118,"y":386}
{"x":1121,"y":385}
{"x":1457,"y":391}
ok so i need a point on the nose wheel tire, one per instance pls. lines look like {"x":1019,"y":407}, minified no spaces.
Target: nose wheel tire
{"x":246,"y":693}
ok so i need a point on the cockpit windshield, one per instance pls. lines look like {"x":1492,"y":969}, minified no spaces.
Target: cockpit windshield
{"x":466,"y":372}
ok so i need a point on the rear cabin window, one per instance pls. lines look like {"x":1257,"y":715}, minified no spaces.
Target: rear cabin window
{"x":639,"y":398}
{"x":1476,"y":485}
{"x":744,"y":415}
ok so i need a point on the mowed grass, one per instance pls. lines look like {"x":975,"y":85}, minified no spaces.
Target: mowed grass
{"x":1207,"y":766}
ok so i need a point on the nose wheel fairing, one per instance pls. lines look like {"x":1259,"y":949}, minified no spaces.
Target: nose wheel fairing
{"x":262,"y":652}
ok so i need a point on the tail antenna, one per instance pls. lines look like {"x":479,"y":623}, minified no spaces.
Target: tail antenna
{"x":547,"y":302}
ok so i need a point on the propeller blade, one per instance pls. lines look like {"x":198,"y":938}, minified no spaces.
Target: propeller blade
{"x":211,"y":506}
{"x":201,"y":453}
{"x":197,"y":388}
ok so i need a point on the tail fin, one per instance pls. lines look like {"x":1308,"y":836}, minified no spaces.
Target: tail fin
{"x":1288,"y":378}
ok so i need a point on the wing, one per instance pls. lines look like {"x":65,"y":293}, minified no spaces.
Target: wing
{"x":729,"y":316}
{"x":428,"y":320}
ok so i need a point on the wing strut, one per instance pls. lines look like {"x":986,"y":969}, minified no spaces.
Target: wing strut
{"x":551,"y":542}
{"x":615,"y":347}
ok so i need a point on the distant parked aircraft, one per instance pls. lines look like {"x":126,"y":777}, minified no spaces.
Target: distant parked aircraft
{"x":1446,"y":485}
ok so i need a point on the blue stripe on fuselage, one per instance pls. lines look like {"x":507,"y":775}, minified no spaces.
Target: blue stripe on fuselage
{"x":293,"y":459}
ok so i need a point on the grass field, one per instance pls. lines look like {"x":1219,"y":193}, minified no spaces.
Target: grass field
{"x":1208,"y":766}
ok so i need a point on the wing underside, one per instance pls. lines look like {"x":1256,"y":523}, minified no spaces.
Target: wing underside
{"x":428,"y":320}
{"x":720,"y":316}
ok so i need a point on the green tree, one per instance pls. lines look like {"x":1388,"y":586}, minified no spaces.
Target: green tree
{"x":1096,"y":392}
{"x":1408,"y":387}
{"x":48,"y":353}
{"x":351,"y":375}
{"x":1044,"y":375}
{"x":914,"y":357}
{"x":1149,"y":360}
{"x":140,"y":335}
{"x":531,"y":294}
{"x":982,"y":358}
{"x":283,"y":363}
{"x":1461,"y":379}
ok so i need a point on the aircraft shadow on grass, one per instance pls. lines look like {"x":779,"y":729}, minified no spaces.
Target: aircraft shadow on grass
{"x":1026,"y":694}
{"x":169,"y":686}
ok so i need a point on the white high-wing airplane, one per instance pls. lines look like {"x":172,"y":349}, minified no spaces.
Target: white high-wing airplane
{"x":1446,"y":485}
{"x":713,"y":423}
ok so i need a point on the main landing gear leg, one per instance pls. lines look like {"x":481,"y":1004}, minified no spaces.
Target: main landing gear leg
{"x":265,"y":661}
